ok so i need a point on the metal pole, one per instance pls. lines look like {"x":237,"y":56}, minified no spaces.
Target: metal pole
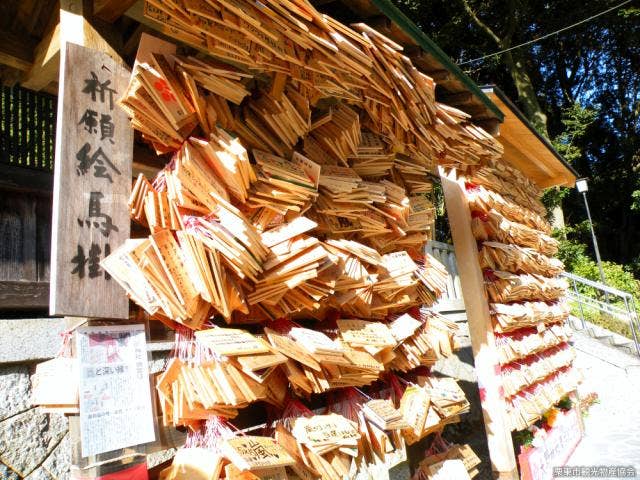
{"x":595,"y":242}
{"x":579,"y":301}
{"x":634,"y":321}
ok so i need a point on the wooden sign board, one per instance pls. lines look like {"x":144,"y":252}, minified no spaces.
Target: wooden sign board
{"x":92,"y":183}
{"x":546,"y":461}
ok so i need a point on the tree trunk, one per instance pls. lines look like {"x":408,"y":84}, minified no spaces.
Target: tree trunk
{"x":526,"y":93}
{"x":514,"y":61}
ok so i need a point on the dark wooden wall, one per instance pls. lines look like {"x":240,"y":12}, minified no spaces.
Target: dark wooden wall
{"x":26,"y":180}
{"x":25,"y":238}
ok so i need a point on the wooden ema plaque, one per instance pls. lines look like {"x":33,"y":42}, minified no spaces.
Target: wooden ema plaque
{"x":251,"y":452}
{"x":92,"y":182}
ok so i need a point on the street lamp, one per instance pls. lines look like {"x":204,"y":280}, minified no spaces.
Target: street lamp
{"x":581,"y":185}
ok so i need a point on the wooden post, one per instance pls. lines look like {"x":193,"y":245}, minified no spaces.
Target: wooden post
{"x":92,"y":182}
{"x":503,"y":460}
{"x":72,"y":27}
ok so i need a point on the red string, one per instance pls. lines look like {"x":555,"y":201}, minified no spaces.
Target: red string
{"x":65,"y":347}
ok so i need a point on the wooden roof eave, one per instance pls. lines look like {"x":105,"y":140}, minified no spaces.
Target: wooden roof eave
{"x":528,"y":150}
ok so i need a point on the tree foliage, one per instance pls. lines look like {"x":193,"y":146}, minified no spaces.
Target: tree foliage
{"x":580,"y":87}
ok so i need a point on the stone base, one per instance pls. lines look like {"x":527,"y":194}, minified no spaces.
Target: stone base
{"x":33,"y":445}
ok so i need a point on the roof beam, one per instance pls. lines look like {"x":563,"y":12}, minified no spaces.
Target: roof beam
{"x":111,"y":10}
{"x":73,"y":27}
{"x":44,"y":69}
{"x":491,"y":125}
{"x":16,"y":52}
{"x":420,"y":58}
{"x":455,"y":99}
{"x":439,"y":76}
{"x":363,"y":8}
{"x":478,"y":111}
{"x":389,"y":28}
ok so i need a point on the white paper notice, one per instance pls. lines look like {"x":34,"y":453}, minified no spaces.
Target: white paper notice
{"x":115,"y":398}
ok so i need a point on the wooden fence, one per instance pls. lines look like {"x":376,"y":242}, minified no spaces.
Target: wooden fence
{"x":26,"y":181}
{"x":451,"y":300}
{"x":28,"y":128}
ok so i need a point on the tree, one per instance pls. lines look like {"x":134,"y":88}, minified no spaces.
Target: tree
{"x":514,"y":60}
{"x":584,"y":79}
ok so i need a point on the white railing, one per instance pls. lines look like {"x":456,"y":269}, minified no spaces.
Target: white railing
{"x":588,"y":295}
{"x":452,"y":299}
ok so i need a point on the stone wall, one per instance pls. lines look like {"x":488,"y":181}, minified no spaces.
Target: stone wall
{"x":36,"y":445}
{"x":33,"y":445}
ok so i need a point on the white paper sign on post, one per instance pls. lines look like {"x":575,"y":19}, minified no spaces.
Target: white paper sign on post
{"x":115,"y":397}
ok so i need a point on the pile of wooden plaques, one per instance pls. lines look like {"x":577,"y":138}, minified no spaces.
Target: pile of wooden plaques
{"x":512,"y":316}
{"x":273,"y":124}
{"x":379,"y":423}
{"x":528,"y":405}
{"x":241,"y":245}
{"x":536,"y":367}
{"x":226,"y":369}
{"x":524,"y":289}
{"x":235,"y":457}
{"x":322,"y":445}
{"x":373,"y":158}
{"x":292,"y":42}
{"x":514,"y":187}
{"x":207,"y":269}
{"x":282,"y":186}
{"x":465,"y":142}
{"x":334,"y":135}
{"x":481,"y":199}
{"x":218,"y":373}
{"x":190,"y":393}
{"x":331,"y":437}
{"x":527,"y":341}
{"x":297,"y":190}
{"x":405,"y":343}
{"x":383,"y":213}
{"x":512,"y":258}
{"x":169,"y":96}
{"x":494,"y":226}
{"x":422,"y":342}
{"x":317,"y":363}
{"x":361,"y":431}
{"x":507,"y":287}
{"x":429,"y":405}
